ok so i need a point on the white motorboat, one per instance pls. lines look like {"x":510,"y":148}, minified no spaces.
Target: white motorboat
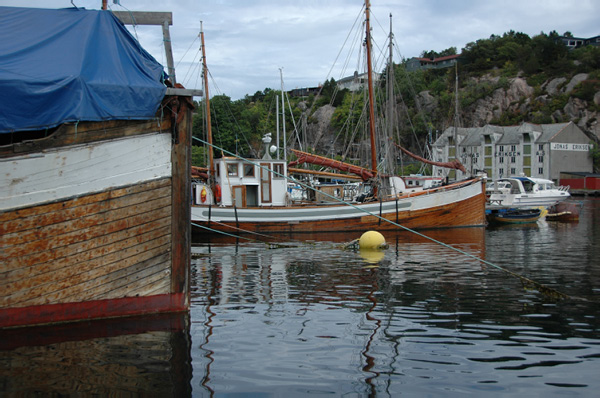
{"x":525,"y":192}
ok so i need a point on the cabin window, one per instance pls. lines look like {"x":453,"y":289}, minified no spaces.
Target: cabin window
{"x":278,"y":168}
{"x":248,"y":170}
{"x":232,"y":169}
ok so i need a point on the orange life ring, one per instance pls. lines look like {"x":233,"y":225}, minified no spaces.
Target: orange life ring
{"x":203,"y":194}
{"x":217,"y":193}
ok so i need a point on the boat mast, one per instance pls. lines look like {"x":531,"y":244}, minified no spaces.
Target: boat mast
{"x":211,"y":166}
{"x":370,"y":83}
{"x":282,"y":119}
{"x":456,"y":112}
{"x":390,"y":160}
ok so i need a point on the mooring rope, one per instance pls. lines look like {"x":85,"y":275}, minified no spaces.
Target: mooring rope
{"x":541,"y":287}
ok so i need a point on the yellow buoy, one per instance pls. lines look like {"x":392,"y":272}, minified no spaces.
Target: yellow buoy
{"x":372,"y":240}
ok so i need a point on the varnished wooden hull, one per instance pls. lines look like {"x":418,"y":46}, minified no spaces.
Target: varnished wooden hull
{"x":94,"y":226}
{"x":459,"y":206}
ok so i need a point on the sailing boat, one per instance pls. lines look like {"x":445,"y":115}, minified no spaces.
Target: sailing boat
{"x":251,"y":195}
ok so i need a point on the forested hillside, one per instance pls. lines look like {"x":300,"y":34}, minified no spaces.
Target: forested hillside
{"x":503,"y":80}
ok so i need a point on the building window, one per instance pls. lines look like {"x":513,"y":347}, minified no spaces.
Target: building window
{"x":501,"y":171}
{"x":541,"y":147}
{"x":541,"y":159}
{"x":513,"y":148}
{"x":541,"y":171}
{"x":513,"y":159}
{"x":501,"y":159}
{"x":513,"y":171}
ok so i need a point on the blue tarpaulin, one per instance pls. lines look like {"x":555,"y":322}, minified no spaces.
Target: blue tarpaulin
{"x":72,"y":65}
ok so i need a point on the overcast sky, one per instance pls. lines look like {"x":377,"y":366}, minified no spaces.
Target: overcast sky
{"x":248,"y":41}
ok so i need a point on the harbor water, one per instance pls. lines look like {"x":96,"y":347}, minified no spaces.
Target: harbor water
{"x":505,"y":311}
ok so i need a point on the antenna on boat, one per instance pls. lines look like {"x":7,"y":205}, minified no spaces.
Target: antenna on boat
{"x":211,"y":166}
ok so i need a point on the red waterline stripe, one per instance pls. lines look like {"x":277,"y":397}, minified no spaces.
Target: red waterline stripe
{"x":97,"y":309}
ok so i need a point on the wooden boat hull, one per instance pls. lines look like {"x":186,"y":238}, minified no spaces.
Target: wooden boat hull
{"x":459,"y":205}
{"x":564,"y":212}
{"x":94,"y":223}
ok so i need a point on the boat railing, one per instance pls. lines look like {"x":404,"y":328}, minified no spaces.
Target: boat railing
{"x":564,"y":188}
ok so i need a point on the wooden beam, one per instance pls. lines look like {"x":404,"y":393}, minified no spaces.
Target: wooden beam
{"x":144,"y":17}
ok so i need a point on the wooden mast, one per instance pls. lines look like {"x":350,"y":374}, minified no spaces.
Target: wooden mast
{"x":370,"y":83}
{"x":211,"y":165}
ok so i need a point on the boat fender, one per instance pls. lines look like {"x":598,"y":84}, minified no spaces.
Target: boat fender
{"x":203,"y":194}
{"x":217,"y":191}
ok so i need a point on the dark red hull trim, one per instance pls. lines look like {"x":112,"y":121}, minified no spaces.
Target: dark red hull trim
{"x":87,"y":310}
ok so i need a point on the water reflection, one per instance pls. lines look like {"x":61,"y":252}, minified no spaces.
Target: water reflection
{"x":140,"y":356}
{"x":314,"y":319}
{"x":299,"y":315}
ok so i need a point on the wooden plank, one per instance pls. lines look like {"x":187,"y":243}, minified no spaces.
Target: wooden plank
{"x":144,"y":17}
{"x":83,"y":200}
{"x":103,"y":243}
{"x":96,"y":309}
{"x":181,"y":208}
{"x":84,"y":277}
{"x":43,"y":272}
{"x":22,"y":224}
{"x":73,"y":134}
{"x":141,"y":281}
{"x":65,"y":233}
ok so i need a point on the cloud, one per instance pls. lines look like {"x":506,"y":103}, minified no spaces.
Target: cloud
{"x":247,"y":42}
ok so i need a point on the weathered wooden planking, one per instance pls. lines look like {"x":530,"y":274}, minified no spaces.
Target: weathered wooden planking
{"x":69,"y":134}
{"x":181,"y":215}
{"x":84,"y":250}
{"x":121,"y":357}
{"x":19,"y":225}
{"x":24,"y":277}
{"x":83,"y":278}
{"x":7,"y":216}
{"x":62,"y":173}
{"x":58,"y":235}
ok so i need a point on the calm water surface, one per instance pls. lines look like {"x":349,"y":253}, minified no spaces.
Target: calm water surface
{"x":300,"y":319}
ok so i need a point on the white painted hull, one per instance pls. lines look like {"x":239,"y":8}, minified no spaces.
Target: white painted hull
{"x":68,"y":172}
